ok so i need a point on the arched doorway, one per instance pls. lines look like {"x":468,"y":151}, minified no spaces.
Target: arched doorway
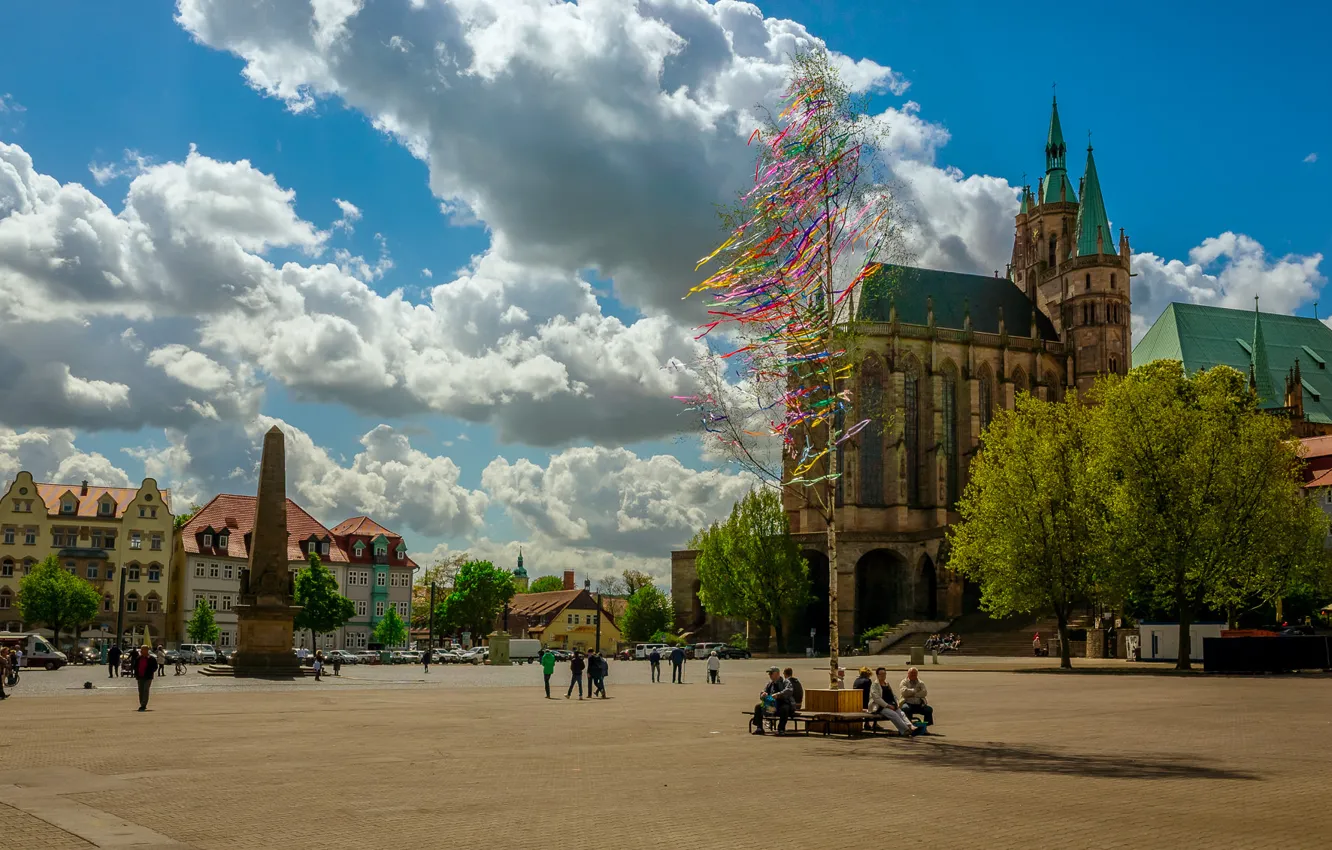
{"x":814,"y":614}
{"x":927,"y":590}
{"x":698,"y":615}
{"x":880,"y":593}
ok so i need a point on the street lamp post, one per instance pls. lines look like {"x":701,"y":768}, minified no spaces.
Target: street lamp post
{"x":120,"y":608}
{"x":431,"y":639}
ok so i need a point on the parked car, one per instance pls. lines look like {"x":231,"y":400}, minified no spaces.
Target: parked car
{"x":643,"y":650}
{"x":728,"y":651}
{"x":411,"y":656}
{"x":702,"y":650}
{"x":198,"y":653}
{"x":367,"y":657}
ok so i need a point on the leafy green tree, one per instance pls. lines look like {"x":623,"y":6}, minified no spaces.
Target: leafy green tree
{"x":185,"y":517}
{"x":480,"y":591}
{"x":202,"y":627}
{"x":1207,"y":502}
{"x":546,"y":584}
{"x":323,"y":609}
{"x":51,"y":596}
{"x":391,"y":630}
{"x":647,"y":613}
{"x":1034,"y":531}
{"x":750,"y":568}
{"x":634,"y":581}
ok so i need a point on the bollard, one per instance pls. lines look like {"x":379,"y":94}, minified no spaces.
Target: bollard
{"x":934,"y":655}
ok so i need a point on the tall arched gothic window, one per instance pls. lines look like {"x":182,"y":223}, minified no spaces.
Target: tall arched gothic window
{"x":986,"y":387}
{"x":950,"y":435}
{"x":1054,"y":244}
{"x":911,"y":435}
{"x":871,"y":438}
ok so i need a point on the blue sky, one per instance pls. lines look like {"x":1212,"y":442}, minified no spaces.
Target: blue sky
{"x":1203,"y":121}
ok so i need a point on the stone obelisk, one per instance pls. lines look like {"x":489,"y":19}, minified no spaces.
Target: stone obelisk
{"x":264,"y":614}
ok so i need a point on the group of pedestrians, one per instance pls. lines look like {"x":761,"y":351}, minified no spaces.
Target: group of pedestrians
{"x":677,"y":658}
{"x":594,"y":665}
{"x":11,"y":662}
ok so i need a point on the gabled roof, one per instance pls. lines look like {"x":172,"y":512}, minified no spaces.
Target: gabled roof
{"x":552,"y":603}
{"x":954,"y":293}
{"x":362,"y":525}
{"x":1092,"y":221}
{"x":51,"y":493}
{"x":236,"y":514}
{"x":1202,"y":337}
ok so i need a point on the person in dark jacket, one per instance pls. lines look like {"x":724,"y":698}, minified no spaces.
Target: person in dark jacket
{"x":576,"y":666}
{"x":677,"y":665}
{"x":597,"y":668}
{"x":654,"y":658}
{"x":113,"y":662}
{"x":778,"y":692}
{"x":862,"y":684}
{"x":145,"y":667}
{"x":427,"y":658}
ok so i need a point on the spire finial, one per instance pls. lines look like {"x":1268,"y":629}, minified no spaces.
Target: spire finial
{"x":1054,"y":93}
{"x":1089,"y":146}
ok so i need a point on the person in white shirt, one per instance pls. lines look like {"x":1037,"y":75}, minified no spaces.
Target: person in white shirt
{"x":912,"y":690}
{"x":714,"y":668}
{"x":883,"y":703}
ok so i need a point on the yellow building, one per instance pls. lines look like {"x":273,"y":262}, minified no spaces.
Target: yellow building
{"x":563,"y":619}
{"x":98,"y":533}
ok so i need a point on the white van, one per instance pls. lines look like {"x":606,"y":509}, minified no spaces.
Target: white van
{"x":37,"y":652}
{"x":524,"y":650}
{"x":643,"y":650}
{"x":703,"y":650}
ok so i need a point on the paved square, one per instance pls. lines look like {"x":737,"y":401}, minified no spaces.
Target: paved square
{"x":474,"y":757}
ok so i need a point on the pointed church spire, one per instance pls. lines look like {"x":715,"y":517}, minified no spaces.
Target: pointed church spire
{"x":1093,"y":228}
{"x":1259,"y":375}
{"x":1056,"y":188}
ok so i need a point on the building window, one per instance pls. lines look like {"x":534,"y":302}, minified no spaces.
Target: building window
{"x":9,"y":537}
{"x":1112,"y":280}
{"x":226,"y":601}
{"x":27,"y":565}
{"x":157,"y":541}
{"x":359,"y":548}
{"x":109,"y":540}
{"x":213,"y":570}
{"x":68,"y":506}
{"x":106,"y":508}
{"x":224,"y":638}
{"x":106,"y":602}
{"x":223,"y":540}
{"x":6,"y":568}
{"x":911,"y":435}
{"x":323,"y":548}
{"x":133,"y":570}
{"x":154,"y":572}
{"x":198,"y":599}
{"x":986,"y":400}
{"x":208,"y":540}
{"x":226,"y":571}
{"x":950,"y":437}
{"x":871,"y":438}
{"x":361,"y":607}
{"x":379,"y":608}
{"x":5,"y":598}
{"x":381,"y":578}
{"x":1088,"y":280}
{"x":110,"y":571}
{"x":143,"y":512}
{"x":154,"y":604}
{"x":30,"y":537}
{"x":72,"y":567}
{"x":97,"y":538}
{"x":136,"y":540}
{"x":1114,"y":364}
{"x":1054,"y":243}
{"x":132,"y":602}
{"x":199,"y":570}
{"x":92,"y":569}
{"x":212,"y":601}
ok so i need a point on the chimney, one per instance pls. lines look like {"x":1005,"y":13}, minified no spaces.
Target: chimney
{"x":568,"y":579}
{"x":84,"y":491}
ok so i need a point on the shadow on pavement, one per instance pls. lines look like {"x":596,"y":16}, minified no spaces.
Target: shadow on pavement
{"x":1018,"y":759}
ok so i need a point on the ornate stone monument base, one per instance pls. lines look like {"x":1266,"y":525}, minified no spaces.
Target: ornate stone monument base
{"x":264,"y":636}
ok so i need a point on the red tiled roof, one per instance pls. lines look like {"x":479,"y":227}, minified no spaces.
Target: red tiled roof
{"x":541,"y":604}
{"x":1317,"y":446}
{"x":236,"y":514}
{"x":362,"y":525}
{"x":1323,"y":479}
{"x":51,"y":494}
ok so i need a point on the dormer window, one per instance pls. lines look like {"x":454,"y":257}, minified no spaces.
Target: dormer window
{"x":207,"y":539}
{"x":106,"y":507}
{"x":323,"y":548}
{"x":222,"y":540}
{"x":68,"y":506}
{"x":359,"y":548}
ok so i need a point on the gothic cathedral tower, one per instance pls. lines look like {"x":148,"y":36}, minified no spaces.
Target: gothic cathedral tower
{"x":1065,"y":260}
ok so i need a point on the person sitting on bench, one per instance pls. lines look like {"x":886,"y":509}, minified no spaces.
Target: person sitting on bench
{"x":913,"y":694}
{"x":778,"y":693}
{"x":797,"y":689}
{"x":883,"y":703}
{"x":862,"y":684}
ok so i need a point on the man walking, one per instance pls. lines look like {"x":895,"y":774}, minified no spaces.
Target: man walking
{"x":677,"y":665}
{"x":576,"y":668}
{"x":161,"y":660}
{"x":547,"y":669}
{"x":15,"y":665}
{"x":426,"y":659}
{"x":145,"y":667}
{"x":654,"y":658}
{"x":113,"y":661}
{"x":596,"y":674}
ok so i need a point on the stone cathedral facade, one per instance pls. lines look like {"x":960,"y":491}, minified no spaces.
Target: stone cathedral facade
{"x":944,"y":350}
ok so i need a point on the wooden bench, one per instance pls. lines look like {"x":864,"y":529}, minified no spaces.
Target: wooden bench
{"x":849,"y":723}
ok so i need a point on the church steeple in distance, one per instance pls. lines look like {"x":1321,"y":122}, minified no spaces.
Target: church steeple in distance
{"x":1056,"y":188}
{"x":1093,"y":227}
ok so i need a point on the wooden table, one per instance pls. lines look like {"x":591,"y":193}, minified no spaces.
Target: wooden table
{"x":828,"y":700}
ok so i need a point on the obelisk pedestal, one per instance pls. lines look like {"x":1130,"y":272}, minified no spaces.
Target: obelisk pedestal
{"x":264,"y":614}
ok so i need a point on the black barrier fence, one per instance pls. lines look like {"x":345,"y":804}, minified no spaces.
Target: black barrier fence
{"x":1278,"y":654}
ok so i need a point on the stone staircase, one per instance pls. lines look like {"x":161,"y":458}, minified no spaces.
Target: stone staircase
{"x":226,"y":670}
{"x":904,"y":630}
{"x":985,"y":636}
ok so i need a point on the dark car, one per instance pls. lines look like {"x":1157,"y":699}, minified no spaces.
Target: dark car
{"x":1297,"y":629}
{"x":732,"y":652}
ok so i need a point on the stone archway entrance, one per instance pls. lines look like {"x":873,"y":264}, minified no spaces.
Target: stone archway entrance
{"x":697,"y":615}
{"x":882,"y":595}
{"x":814,"y":615}
{"x":927,"y":591}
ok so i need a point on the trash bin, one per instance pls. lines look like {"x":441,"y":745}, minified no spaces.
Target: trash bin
{"x":917,"y":655}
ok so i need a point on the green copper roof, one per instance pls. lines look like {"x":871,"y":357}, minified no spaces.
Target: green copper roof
{"x":1053,"y":183}
{"x":1261,"y":374}
{"x":1203,"y":337}
{"x":1054,"y":142}
{"x":955,"y":294}
{"x":1091,"y":214}
{"x":1026,"y":200}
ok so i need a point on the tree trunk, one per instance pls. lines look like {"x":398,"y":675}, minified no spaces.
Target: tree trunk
{"x":1185,"y":660}
{"x":1232,"y":622}
{"x":832,"y":588}
{"x":1065,"y":660}
{"x":781,"y":634}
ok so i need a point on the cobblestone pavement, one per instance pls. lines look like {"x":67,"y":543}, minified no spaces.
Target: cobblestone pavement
{"x":474,"y":759}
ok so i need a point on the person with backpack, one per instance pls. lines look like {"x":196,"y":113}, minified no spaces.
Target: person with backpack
{"x":547,"y":669}
{"x":576,"y":667}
